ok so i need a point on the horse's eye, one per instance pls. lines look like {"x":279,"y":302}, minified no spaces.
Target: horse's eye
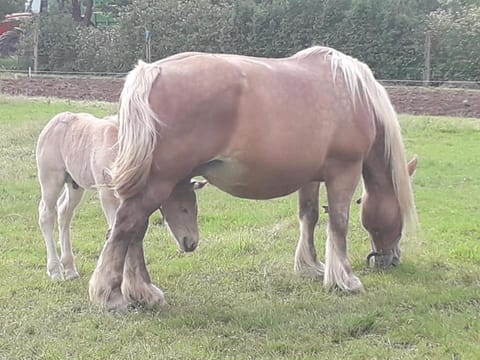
{"x":184,"y":210}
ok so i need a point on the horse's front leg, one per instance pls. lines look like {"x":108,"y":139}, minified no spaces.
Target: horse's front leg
{"x":340,"y":189}
{"x":306,"y":262}
{"x":105,"y":284}
{"x":137,"y":286}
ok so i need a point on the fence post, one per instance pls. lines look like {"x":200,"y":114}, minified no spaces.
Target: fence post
{"x":427,"y":63}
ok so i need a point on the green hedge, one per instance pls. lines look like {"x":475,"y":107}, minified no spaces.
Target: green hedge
{"x":389,"y":35}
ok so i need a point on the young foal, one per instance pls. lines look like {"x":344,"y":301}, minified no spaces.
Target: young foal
{"x":258,"y":128}
{"x":75,"y":151}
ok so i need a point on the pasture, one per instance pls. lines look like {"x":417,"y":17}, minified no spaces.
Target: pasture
{"x":236,"y":296}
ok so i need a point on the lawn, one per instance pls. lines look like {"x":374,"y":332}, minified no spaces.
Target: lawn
{"x":236,"y":296}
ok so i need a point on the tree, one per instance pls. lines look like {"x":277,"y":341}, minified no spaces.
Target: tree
{"x":85,"y":19}
{"x":10,"y":6}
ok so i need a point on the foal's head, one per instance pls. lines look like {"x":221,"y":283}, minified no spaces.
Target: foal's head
{"x":180,"y":214}
{"x":382,"y":218}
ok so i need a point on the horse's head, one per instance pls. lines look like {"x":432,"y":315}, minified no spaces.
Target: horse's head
{"x":180,"y":214}
{"x":382,"y":218}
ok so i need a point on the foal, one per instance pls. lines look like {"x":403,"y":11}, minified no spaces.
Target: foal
{"x":75,"y":151}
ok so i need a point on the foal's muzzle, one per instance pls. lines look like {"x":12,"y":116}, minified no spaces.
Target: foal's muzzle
{"x":189,"y":244}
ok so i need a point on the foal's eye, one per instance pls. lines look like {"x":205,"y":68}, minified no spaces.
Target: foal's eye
{"x":184,"y":210}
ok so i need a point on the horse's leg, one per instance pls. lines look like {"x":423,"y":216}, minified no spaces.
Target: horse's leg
{"x":129,"y":229}
{"x":340,"y":190}
{"x":137,"y":286}
{"x":66,"y":208}
{"x":109,"y":205}
{"x":306,"y":262}
{"x":51,"y":185}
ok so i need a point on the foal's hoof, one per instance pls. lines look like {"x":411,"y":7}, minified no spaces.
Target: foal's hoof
{"x":56,"y":274}
{"x":71,"y":274}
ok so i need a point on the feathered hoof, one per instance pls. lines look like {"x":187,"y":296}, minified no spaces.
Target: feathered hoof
{"x":105,"y":295}
{"x":142,"y":293}
{"x":316,"y":270}
{"x":343,"y":282}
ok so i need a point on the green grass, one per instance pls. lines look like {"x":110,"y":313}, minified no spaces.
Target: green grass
{"x":236,"y":296}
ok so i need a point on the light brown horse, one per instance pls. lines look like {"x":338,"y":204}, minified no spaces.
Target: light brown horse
{"x":257,"y":128}
{"x":75,"y":151}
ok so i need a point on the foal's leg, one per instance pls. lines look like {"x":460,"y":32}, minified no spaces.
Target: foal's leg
{"x":66,"y":209}
{"x":340,"y":190}
{"x":51,"y":184}
{"x":306,"y":262}
{"x":129,"y":229}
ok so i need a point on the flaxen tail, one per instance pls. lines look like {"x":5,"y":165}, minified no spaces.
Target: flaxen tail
{"x":137,"y":133}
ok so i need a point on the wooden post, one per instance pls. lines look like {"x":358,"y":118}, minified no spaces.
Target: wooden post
{"x":148,"y":46}
{"x":35,"y":43}
{"x":427,"y":63}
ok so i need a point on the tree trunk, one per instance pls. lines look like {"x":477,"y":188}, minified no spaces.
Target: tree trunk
{"x":88,"y":12}
{"x":76,"y":11}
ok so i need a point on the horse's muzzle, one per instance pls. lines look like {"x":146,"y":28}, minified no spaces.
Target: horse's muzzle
{"x":383,"y":261}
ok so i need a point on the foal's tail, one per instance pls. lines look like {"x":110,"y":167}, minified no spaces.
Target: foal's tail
{"x":364,"y":88}
{"x":137,"y":133}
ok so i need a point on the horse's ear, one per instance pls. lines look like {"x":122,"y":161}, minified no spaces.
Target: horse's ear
{"x":197,"y":184}
{"x":412,"y":165}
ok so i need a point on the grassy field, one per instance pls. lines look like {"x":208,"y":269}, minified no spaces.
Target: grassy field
{"x":237,"y":296}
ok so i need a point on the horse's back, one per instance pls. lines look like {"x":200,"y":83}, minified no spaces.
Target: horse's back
{"x":262,"y":121}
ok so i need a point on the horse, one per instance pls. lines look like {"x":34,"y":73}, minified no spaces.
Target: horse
{"x":74,"y":152}
{"x":258,"y":128}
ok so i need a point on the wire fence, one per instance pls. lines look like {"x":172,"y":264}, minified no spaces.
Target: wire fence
{"x":14,"y":74}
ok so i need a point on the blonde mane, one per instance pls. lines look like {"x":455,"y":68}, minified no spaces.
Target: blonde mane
{"x":361,"y":84}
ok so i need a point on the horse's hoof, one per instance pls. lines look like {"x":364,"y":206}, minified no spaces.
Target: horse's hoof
{"x":71,"y":274}
{"x":310,"y":271}
{"x":143,"y":294}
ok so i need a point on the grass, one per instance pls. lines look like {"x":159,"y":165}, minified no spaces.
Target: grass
{"x":236,"y":296}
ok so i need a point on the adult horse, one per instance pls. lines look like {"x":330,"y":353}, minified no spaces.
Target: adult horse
{"x":257,"y":128}
{"x":75,"y":152}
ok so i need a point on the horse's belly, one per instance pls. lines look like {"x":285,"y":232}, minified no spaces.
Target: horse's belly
{"x":254,"y":181}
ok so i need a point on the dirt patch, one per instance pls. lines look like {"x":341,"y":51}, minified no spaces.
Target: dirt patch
{"x":410,"y":100}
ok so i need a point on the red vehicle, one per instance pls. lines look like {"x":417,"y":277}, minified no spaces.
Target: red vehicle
{"x":10,"y":32}
{"x":12,"y":21}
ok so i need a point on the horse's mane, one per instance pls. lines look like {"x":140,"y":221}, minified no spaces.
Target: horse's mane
{"x":363,"y":87}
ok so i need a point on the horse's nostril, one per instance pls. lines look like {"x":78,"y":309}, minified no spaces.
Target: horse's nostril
{"x":189,"y":244}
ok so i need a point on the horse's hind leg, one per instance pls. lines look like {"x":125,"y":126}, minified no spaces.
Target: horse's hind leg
{"x":51,"y":184}
{"x":340,"y":190}
{"x":306,"y":262}
{"x":66,"y":209}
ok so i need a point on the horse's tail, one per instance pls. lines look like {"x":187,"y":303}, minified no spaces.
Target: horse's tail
{"x":137,"y":133}
{"x":362,"y":85}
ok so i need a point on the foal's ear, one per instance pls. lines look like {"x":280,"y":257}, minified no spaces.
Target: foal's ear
{"x":197,"y":184}
{"x":412,"y":165}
